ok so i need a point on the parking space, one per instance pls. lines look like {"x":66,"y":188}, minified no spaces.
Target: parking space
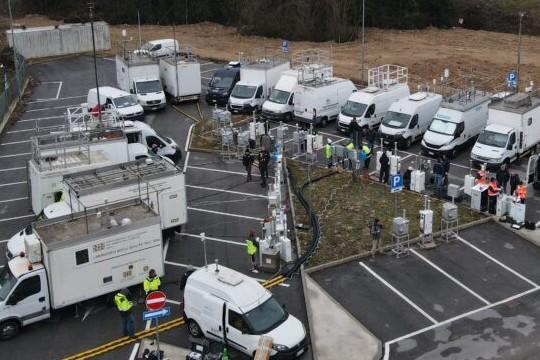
{"x":440,"y":302}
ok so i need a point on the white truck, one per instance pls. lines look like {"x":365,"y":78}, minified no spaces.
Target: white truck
{"x":459,"y":120}
{"x":139,"y":75}
{"x":386,"y":85}
{"x":181,"y":77}
{"x":227,"y":306}
{"x":76,"y":258}
{"x":257,"y":79}
{"x":56,"y":155}
{"x":407,"y":119}
{"x":156,"y":181}
{"x":319,"y":96}
{"x":513,"y":128}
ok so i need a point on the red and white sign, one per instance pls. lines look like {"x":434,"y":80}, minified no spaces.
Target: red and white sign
{"x":155,"y":300}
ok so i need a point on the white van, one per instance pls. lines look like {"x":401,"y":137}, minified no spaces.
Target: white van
{"x":407,"y":119}
{"x":386,"y":84}
{"x":159,"y":48}
{"x":225,"y":305}
{"x":279,"y":105}
{"x":459,"y":120}
{"x":124,"y":104}
{"x":138,"y":131}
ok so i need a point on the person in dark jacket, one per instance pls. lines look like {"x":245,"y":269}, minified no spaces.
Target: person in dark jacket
{"x":446,"y":168}
{"x":371,"y":135}
{"x":407,"y":178}
{"x":385,"y":167}
{"x":247,"y":161}
{"x":503,"y":177}
{"x":356,"y":133}
{"x":263,"y":159}
{"x":514,"y":182}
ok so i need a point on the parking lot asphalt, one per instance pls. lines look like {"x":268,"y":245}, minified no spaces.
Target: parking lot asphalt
{"x":475,"y":297}
{"x":221,"y":204}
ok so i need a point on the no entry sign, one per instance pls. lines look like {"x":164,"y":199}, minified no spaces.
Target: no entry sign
{"x":155,"y":300}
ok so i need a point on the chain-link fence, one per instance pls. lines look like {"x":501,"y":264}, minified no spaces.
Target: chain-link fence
{"x":12,"y":90}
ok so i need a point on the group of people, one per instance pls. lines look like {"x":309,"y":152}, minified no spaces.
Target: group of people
{"x":499,"y":184}
{"x":263,"y":159}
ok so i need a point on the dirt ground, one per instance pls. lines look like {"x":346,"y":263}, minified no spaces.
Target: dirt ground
{"x":346,"y":233}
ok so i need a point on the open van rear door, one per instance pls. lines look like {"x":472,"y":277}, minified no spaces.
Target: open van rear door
{"x":533,"y":171}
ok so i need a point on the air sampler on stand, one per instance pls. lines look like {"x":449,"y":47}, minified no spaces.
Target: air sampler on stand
{"x":275,"y":244}
{"x":426,"y":225}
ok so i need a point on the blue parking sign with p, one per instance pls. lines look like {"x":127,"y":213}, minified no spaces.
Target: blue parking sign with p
{"x":511,"y":79}
{"x":396,"y":183}
{"x":285,"y":46}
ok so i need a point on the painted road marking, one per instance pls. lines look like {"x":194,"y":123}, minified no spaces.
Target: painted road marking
{"x":57,"y":99}
{"x":239,"y":243}
{"x":398,"y":293}
{"x":12,"y":200}
{"x":14,"y":183}
{"x":18,"y":131}
{"x":15,"y":142}
{"x":450,"y":277}
{"x":13,"y":169}
{"x":14,"y":155}
{"x":17,"y":218}
{"x":42,"y":118}
{"x":498,"y":262}
{"x":222,"y":171}
{"x":225,"y":214}
{"x":50,"y":108}
{"x":226,"y":191}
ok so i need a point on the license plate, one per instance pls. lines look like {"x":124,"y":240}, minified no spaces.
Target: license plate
{"x":300,"y":352}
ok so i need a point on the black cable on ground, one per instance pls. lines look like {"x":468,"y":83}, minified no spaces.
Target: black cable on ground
{"x":314,"y":220}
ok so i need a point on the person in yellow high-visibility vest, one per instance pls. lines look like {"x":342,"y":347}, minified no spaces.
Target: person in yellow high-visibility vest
{"x":152,"y":282}
{"x":252,"y":246}
{"x":124,"y":304}
{"x":328,"y":152}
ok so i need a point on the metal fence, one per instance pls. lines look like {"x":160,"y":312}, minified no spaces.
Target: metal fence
{"x":12,"y":91}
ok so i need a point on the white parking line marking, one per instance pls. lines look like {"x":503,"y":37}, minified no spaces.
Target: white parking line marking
{"x":215,"y":239}
{"x":14,"y":155}
{"x":15,"y":142}
{"x":58,"y":92}
{"x":42,"y":118}
{"x":398,"y":293}
{"x":221,"y":171}
{"x":448,"y":321}
{"x":456,"y":281}
{"x":198,"y":267}
{"x":13,"y":169}
{"x":205,"y":71}
{"x":225,"y":214}
{"x":208,"y":63}
{"x":12,"y":200}
{"x":206,"y":78}
{"x":18,"y":131}
{"x":498,"y":262}
{"x":174,"y":302}
{"x":17,"y":218}
{"x":14,"y":183}
{"x":57,"y":99}
{"x":4,"y":241}
{"x":50,"y":108}
{"x":133,"y":354}
{"x":226,"y":191}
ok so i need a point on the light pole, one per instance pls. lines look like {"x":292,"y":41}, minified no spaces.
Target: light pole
{"x":363,"y":40}
{"x":91,"y":9}
{"x":521,"y":15}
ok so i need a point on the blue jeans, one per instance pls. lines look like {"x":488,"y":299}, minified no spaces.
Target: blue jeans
{"x":128,"y":323}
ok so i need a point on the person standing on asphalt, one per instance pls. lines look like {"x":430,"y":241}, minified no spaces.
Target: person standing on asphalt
{"x":124,"y":304}
{"x":521,"y":192}
{"x":356,"y":133}
{"x":385,"y":167}
{"x":514,"y":182}
{"x":152,"y":282}
{"x":493,"y":193}
{"x":438,"y":177}
{"x":263,"y":159}
{"x":446,"y":168}
{"x":375,"y":228}
{"x":328,"y":153}
{"x":503,"y":176}
{"x":252,"y":246}
{"x":371,"y":135}
{"x":247,"y":161}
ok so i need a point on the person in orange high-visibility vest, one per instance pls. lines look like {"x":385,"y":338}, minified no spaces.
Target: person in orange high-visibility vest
{"x":521,"y":192}
{"x":493,"y":193}
{"x":481,"y":177}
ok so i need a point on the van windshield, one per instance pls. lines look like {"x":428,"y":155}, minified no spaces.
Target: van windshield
{"x":266,"y":317}
{"x":125,"y":101}
{"x":243,"y":91}
{"x":396,"y":120}
{"x":353,"y":109}
{"x":144,"y":87}
{"x":494,"y":139}
{"x":221,"y":81}
{"x":279,"y":96}
{"x":7,"y":281}
{"x":167,"y":140}
{"x":443,"y":127}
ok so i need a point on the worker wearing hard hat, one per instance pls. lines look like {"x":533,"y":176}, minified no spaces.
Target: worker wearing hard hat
{"x":152,"y":282}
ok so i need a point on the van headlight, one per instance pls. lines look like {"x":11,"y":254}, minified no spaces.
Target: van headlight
{"x":280,"y":348}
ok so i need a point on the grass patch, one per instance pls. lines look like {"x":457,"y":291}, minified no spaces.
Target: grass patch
{"x":345,"y":208}
{"x":205,"y":135}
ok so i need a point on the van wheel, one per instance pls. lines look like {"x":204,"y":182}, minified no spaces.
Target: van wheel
{"x":194,"y":329}
{"x":9,"y":329}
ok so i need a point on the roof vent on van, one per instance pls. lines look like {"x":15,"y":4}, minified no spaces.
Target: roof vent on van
{"x":418,"y":96}
{"x":518,"y":100}
{"x":371,"y":89}
{"x":230,"y":278}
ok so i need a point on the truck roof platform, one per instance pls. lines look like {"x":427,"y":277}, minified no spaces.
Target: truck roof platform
{"x":465,"y":100}
{"x":71,"y":228}
{"x":265,"y":64}
{"x":133,"y":59}
{"x":111,"y":176}
{"x":519,"y":103}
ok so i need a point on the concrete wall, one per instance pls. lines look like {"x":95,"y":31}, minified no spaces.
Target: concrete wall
{"x":65,"y":39}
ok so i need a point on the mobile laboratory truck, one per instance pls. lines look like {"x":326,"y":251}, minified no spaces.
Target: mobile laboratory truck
{"x":386,"y":85}
{"x":257,"y":78}
{"x":319,"y":96}
{"x":408,"y":119}
{"x":76,"y":258}
{"x":181,"y":77}
{"x":459,"y":120}
{"x":157,"y":181}
{"x":513,"y":128}
{"x":139,"y":75}
{"x":59,"y":154}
